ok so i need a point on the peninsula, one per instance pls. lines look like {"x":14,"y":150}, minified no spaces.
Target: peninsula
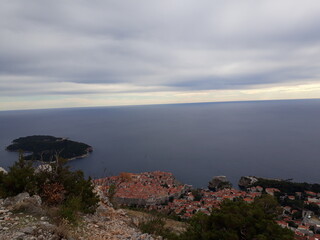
{"x":44,"y":148}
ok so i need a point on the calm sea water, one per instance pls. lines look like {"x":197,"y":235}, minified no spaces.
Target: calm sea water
{"x":194,"y":141}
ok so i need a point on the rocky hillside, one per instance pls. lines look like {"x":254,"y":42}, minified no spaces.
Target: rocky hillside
{"x":25,"y":217}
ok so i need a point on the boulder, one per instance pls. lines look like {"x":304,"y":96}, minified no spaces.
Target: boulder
{"x":23,"y":201}
{"x":3,"y":170}
{"x":11,"y":201}
{"x":44,"y":168}
{"x":35,"y":200}
{"x":246,"y":182}
{"x":102,"y":210}
{"x":218,"y":183}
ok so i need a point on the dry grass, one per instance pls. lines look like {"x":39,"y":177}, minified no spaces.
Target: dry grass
{"x":65,"y":230}
{"x":140,"y":217}
{"x":28,"y":208}
{"x":98,"y":238}
{"x":53,"y":193}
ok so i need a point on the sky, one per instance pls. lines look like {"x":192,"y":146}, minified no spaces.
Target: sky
{"x":84,"y":53}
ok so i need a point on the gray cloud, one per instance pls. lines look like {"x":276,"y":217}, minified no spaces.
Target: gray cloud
{"x":166,"y":45}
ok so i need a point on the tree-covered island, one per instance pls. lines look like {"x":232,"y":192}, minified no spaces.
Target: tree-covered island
{"x":44,"y":148}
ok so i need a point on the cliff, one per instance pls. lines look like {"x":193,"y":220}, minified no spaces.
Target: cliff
{"x":247,"y":181}
{"x":219,"y":183}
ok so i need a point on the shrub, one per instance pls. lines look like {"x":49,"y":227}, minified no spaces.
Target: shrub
{"x":156,"y":226}
{"x":20,"y":178}
{"x":66,"y":185}
{"x":53,"y":193}
{"x":70,"y":208}
{"x":237,"y":220}
{"x":68,"y":190}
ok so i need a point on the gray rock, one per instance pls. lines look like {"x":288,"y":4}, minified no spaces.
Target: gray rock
{"x":102,"y":211}
{"x":37,"y":199}
{"x":23,"y":201}
{"x":27,"y":230}
{"x":218,"y":183}
{"x":3,"y":170}
{"x":18,"y":235}
{"x":2,"y":211}
{"x":246,"y":182}
{"x":11,"y":201}
{"x":46,"y":225}
{"x":44,"y":168}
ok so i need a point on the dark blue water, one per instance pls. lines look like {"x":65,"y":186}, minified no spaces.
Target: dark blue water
{"x":194,"y":141}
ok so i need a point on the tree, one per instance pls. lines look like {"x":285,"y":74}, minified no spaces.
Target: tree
{"x":72,"y":185}
{"x":20,"y":178}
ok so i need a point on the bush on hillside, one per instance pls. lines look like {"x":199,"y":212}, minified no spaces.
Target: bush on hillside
{"x":59,"y":186}
{"x":156,"y":226}
{"x":237,"y":220}
{"x":20,"y":178}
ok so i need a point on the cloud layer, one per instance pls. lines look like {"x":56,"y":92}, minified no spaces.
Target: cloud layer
{"x":87,"y":53}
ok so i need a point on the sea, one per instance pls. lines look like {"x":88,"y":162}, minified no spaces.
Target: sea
{"x":274,"y":139}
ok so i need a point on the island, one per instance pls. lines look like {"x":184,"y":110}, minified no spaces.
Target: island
{"x":45,"y":148}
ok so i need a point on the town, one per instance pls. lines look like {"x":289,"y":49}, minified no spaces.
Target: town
{"x":160,"y":191}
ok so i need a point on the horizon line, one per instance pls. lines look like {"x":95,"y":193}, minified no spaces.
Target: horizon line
{"x":161,"y":104}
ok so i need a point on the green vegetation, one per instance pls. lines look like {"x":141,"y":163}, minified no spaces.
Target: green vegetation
{"x":237,"y":220}
{"x":20,"y":178}
{"x":157,"y":227}
{"x":44,"y":148}
{"x":58,"y":187}
{"x":290,"y":188}
{"x":313,"y":207}
{"x":197,"y":194}
{"x":287,"y":186}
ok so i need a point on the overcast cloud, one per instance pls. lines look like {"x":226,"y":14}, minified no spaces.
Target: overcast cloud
{"x":93,"y":53}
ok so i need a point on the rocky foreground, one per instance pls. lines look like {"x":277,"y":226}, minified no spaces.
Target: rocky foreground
{"x":23,"y":217}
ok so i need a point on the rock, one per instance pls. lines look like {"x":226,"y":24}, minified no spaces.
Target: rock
{"x":19,"y":235}
{"x":3,"y":170}
{"x":246,"y":182}
{"x":218,"y":183}
{"x":41,"y":237}
{"x":34,"y":200}
{"x":102,"y":211}
{"x":44,"y":168}
{"x":23,"y":201}
{"x":27,"y":230}
{"x":103,"y":198}
{"x":38,"y":199}
{"x":11,"y":201}
{"x":121,"y":212}
{"x":46,"y":225}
